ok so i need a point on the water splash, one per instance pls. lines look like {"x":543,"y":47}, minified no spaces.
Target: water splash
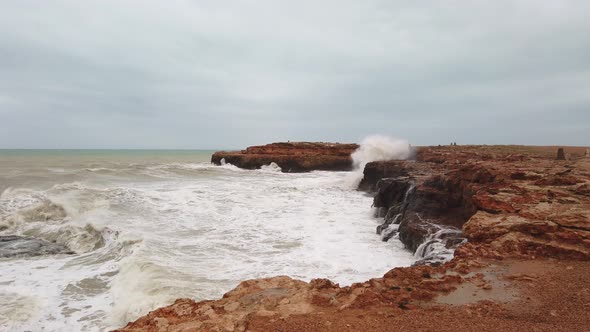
{"x":439,"y":247}
{"x":377,"y":148}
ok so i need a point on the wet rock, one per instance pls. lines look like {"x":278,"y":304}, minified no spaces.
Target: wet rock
{"x":421,"y":204}
{"x":17,"y":246}
{"x":291,"y":156}
{"x":375,"y":171}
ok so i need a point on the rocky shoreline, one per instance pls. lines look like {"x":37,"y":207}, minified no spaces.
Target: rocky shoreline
{"x":517,"y":219}
{"x":485,"y":193}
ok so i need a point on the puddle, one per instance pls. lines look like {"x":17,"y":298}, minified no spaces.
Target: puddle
{"x":481,"y":285}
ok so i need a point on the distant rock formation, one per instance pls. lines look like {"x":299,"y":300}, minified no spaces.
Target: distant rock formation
{"x":560,"y":154}
{"x":291,"y":156}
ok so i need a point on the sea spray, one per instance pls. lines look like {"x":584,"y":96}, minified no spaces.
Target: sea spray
{"x":377,"y":148}
{"x":272,"y":167}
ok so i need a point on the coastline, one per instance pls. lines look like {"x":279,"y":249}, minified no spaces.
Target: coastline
{"x":526,"y":219}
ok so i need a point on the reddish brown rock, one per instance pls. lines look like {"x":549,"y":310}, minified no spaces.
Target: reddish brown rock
{"x":291,"y":156}
{"x":513,"y":198}
{"x":558,"y":180}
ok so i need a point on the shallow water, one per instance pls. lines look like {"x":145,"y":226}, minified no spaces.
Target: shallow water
{"x":148,"y":227}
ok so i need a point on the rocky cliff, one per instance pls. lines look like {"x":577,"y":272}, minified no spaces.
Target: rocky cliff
{"x":523,"y":200}
{"x":525,"y":265}
{"x":291,"y":156}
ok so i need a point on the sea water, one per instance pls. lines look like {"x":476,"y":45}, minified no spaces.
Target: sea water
{"x":148,"y":227}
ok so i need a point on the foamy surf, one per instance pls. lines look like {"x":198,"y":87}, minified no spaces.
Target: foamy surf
{"x":145,"y":233}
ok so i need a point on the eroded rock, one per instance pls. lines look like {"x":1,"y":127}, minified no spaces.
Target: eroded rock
{"x":291,"y":156}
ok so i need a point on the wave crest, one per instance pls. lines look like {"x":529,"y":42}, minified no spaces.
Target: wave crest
{"x":376,"y":148}
{"x":46,"y":211}
{"x":380,"y":148}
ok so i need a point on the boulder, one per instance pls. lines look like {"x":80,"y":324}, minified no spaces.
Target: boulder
{"x":18,"y":246}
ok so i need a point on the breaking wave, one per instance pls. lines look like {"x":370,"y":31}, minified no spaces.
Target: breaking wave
{"x":377,"y":148}
{"x":272,"y":167}
{"x":62,"y":219}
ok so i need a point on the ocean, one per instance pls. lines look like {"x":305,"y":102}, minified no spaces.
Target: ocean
{"x":138,"y":229}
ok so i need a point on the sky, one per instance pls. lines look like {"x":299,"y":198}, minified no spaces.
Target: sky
{"x":228,"y":74}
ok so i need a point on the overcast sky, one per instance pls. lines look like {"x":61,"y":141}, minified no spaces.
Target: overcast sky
{"x":227,"y":74}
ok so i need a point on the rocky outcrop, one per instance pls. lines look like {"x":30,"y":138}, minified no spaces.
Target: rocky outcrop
{"x":291,"y":156}
{"x":375,"y":171}
{"x":18,"y":246}
{"x":423,"y":205}
{"x":516,"y":201}
{"x":282,"y":297}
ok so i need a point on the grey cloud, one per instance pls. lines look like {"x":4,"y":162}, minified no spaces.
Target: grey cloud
{"x":210,"y":74}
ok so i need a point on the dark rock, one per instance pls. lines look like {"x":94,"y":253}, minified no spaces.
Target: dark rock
{"x":560,"y":154}
{"x":375,"y":171}
{"x":18,"y":246}
{"x":424,"y":203}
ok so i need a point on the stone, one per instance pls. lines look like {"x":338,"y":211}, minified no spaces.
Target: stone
{"x":560,"y":154}
{"x":375,"y":171}
{"x":20,"y":246}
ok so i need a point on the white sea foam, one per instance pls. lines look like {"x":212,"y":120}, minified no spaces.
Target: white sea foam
{"x":272,"y":167}
{"x":194,"y":230}
{"x":376,"y":148}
